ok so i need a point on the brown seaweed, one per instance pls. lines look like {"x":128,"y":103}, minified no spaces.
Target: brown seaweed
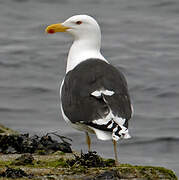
{"x":90,"y":159}
{"x":23,"y":143}
{"x":15,"y":173}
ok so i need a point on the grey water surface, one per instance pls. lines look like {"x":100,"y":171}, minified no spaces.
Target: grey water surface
{"x":140,"y":37}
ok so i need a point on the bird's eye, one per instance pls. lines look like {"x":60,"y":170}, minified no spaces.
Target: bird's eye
{"x":78,"y":22}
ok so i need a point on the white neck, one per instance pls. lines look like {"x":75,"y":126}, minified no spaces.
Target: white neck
{"x":83,"y":49}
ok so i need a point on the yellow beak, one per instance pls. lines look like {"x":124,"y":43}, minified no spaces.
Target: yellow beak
{"x":56,"y":28}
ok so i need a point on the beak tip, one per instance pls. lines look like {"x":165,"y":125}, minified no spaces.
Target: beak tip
{"x":50,"y":31}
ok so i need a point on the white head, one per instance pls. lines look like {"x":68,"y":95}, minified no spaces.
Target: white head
{"x":80,"y":26}
{"x":83,"y":26}
{"x":87,"y":38}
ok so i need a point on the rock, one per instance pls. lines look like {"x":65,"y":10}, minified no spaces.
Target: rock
{"x":6,"y":131}
{"x":67,"y":166}
{"x":111,"y":174}
{"x":25,"y":159}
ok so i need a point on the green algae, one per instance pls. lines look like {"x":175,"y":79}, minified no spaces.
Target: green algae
{"x":5,"y":163}
{"x":61,"y":162}
{"x":55,"y":163}
{"x":41,"y":152}
{"x":109,"y":162}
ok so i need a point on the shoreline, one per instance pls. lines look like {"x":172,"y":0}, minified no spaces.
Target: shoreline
{"x":58,"y":164}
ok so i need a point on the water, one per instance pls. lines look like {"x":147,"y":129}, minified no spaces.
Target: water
{"x":140,"y":37}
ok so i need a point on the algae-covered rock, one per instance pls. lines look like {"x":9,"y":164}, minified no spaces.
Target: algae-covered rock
{"x":46,"y":158}
{"x":68,"y":166}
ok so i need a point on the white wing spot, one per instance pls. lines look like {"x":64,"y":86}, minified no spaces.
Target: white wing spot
{"x":98,"y":93}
